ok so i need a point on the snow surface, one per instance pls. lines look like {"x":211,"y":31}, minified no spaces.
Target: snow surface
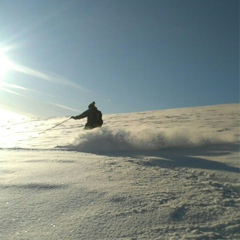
{"x":171,"y":174}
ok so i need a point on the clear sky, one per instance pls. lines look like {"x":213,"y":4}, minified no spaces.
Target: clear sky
{"x":126,"y":55}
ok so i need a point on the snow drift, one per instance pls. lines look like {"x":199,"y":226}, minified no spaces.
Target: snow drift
{"x":107,"y":139}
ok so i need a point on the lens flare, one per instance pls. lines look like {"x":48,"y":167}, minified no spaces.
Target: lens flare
{"x":4,"y":65}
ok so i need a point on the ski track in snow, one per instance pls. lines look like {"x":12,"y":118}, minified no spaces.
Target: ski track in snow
{"x":171,"y":174}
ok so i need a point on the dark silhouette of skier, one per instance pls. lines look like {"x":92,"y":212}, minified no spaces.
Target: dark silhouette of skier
{"x":93,"y":115}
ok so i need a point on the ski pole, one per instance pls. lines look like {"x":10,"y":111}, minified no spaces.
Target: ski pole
{"x":55,"y":126}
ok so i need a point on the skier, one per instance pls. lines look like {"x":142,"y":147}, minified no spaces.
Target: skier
{"x":94,"y":117}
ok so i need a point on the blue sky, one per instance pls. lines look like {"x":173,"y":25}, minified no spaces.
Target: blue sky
{"x":127,"y":55}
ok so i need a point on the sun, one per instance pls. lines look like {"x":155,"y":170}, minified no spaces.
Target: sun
{"x":4,"y":65}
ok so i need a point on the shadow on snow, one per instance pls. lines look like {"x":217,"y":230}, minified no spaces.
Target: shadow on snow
{"x":184,"y":158}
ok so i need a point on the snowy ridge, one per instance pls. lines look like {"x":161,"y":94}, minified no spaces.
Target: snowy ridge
{"x":154,"y":130}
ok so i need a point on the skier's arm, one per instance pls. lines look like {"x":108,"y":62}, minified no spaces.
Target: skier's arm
{"x":83,"y":115}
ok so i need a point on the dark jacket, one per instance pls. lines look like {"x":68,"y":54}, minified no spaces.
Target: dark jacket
{"x":94,"y":117}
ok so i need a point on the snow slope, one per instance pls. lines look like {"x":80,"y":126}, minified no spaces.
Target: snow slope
{"x":171,"y":174}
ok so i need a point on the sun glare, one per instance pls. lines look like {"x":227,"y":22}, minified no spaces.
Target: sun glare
{"x":4,"y":65}
{"x":7,"y":115}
